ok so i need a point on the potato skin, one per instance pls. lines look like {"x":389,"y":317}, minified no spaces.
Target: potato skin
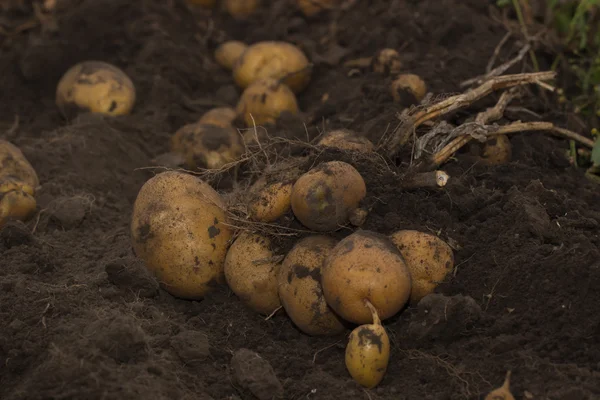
{"x":343,"y":139}
{"x":368,"y":354}
{"x":271,"y":202}
{"x":300,"y":288}
{"x":387,"y":61}
{"x":179,"y":229}
{"x":251,"y":274}
{"x":273,"y":59}
{"x":264,"y":100}
{"x":241,"y":9}
{"x":15,"y":166}
{"x":428,"y":258}
{"x":97,"y":87}
{"x":311,"y":8}
{"x":497,"y":150}
{"x":365,"y":266}
{"x":227,"y":53}
{"x":408,"y":89}
{"x":324,"y":197}
{"x":219,"y":116}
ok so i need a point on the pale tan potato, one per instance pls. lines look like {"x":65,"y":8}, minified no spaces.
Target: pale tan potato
{"x":387,"y":61}
{"x":344,"y":139}
{"x":275,"y":60}
{"x":408,"y":89}
{"x":428,"y":258}
{"x":181,"y":231}
{"x":241,"y":9}
{"x":219,"y":116}
{"x":365,"y":266}
{"x":207,"y":145}
{"x":229,"y":52}
{"x":264,"y":101}
{"x":14,"y":165}
{"x":324,"y":198}
{"x":251,"y":272}
{"x":96,"y":87}
{"x":497,"y":150}
{"x":271,"y":202}
{"x":311,"y":8}
{"x":300,"y":288}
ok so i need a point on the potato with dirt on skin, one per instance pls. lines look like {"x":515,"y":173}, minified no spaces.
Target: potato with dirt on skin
{"x":300,"y":288}
{"x":386,"y":61}
{"x":428,"y":258}
{"x":311,"y":8}
{"x":207,"y":145}
{"x":264,"y":101}
{"x":251,"y":272}
{"x":96,"y":87}
{"x":270,"y":202}
{"x":241,"y":9}
{"x":219,"y":116}
{"x":180,"y":229}
{"x":408,"y":89}
{"x":343,"y":139}
{"x":276,"y":60}
{"x":227,"y":53}
{"x":324,"y":198}
{"x":365,"y":266}
{"x":497,"y":150}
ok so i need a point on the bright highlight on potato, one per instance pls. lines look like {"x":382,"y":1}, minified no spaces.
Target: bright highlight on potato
{"x":264,"y":101}
{"x":96,"y":87}
{"x":229,"y":52}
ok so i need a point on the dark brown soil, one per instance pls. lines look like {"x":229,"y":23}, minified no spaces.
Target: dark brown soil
{"x":82,"y":319}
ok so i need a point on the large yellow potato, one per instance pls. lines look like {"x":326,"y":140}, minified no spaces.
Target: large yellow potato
{"x":251,"y":272}
{"x":227,"y":53}
{"x":344,"y":139}
{"x":270,"y":202}
{"x":300,"y":288}
{"x":365,"y":266}
{"x":428,"y":258}
{"x":180,"y":229}
{"x":276,"y":60}
{"x":264,"y":101}
{"x":324,"y":198}
{"x":97,"y":87}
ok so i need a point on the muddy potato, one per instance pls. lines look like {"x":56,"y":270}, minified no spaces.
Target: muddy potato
{"x":229,"y":52}
{"x":300,"y":289}
{"x":365,"y":266}
{"x":324,"y":197}
{"x":386,"y":61}
{"x":408,"y":89}
{"x":251,"y":272}
{"x":497,"y":150}
{"x":97,"y":87}
{"x":344,"y":139}
{"x":264,"y":100}
{"x":276,"y":60}
{"x":270,"y":202}
{"x":241,"y":9}
{"x":180,"y":229}
{"x":368,"y":352}
{"x":313,"y":7}
{"x":220,"y":116}
{"x":207,"y":145}
{"x":428,"y":258}
{"x":14,"y":165}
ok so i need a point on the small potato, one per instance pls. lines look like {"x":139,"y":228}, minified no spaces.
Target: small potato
{"x":368,"y":352}
{"x":220,"y":116}
{"x":387,"y":61}
{"x":343,"y":139}
{"x":311,"y":8}
{"x":251,"y":272}
{"x":365,"y":266}
{"x":276,"y":60}
{"x":497,"y":150}
{"x":503,"y":392}
{"x":14,"y":165}
{"x":428,"y":258}
{"x":97,"y":87}
{"x":241,"y":9}
{"x":229,"y":52}
{"x":324,"y":197}
{"x":180,"y":229}
{"x":408,"y":89}
{"x":271,"y":202}
{"x":207,"y":145}
{"x":300,"y":287}
{"x":264,"y":100}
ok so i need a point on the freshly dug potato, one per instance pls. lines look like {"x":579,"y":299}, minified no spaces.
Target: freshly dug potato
{"x":241,"y":8}
{"x":271,"y":202}
{"x":220,"y":116}
{"x":344,"y":139}
{"x":365,"y":266}
{"x":428,"y":258}
{"x":311,"y":8}
{"x":265,"y":100}
{"x":300,"y":289}
{"x":408,"y":89}
{"x":276,"y":60}
{"x":207,"y":145}
{"x":324,"y":197}
{"x":97,"y":87}
{"x":368,"y":352}
{"x":497,"y":150}
{"x":229,"y":52}
{"x":387,"y":61}
{"x":14,"y":165}
{"x":180,"y":229}
{"x":251,"y":272}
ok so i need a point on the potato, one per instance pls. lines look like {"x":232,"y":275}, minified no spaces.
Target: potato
{"x":428,"y":258}
{"x":97,"y":87}
{"x":300,"y":289}
{"x":408,"y":89}
{"x":276,"y":60}
{"x":343,"y":139}
{"x":229,"y":52}
{"x":387,"y":61}
{"x":14,"y":165}
{"x":497,"y":150}
{"x":251,"y":272}
{"x":324,"y":197}
{"x":207,"y":145}
{"x":503,"y":392}
{"x":365,"y":266}
{"x":220,"y":116}
{"x":265,"y":100}
{"x":180,"y":229}
{"x":368,"y":352}
{"x":271,"y":202}
{"x":241,"y":9}
{"x":311,"y":8}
